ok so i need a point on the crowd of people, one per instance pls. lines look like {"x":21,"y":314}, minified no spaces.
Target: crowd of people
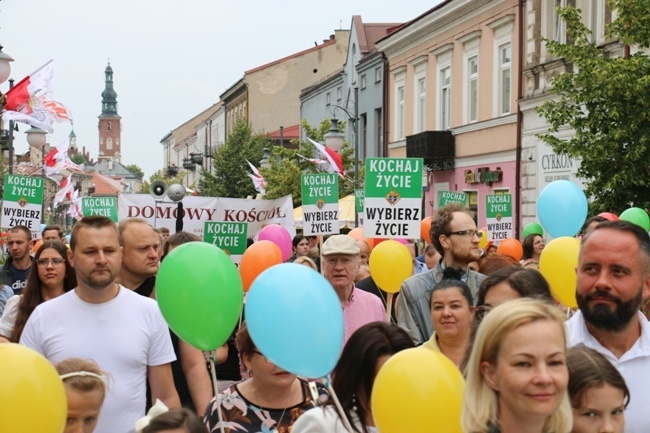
{"x":530,"y":364}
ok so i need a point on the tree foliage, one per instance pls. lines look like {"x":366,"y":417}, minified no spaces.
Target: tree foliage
{"x":78,"y":158}
{"x":283,"y":177}
{"x":606,"y":101}
{"x":229,"y":178}
{"x":158,"y":175}
{"x":135,"y":169}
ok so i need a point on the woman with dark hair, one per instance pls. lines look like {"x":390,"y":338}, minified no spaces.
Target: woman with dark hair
{"x":366,"y":351}
{"x":300,"y":247}
{"x":51,"y":275}
{"x":503,"y":285}
{"x":597,"y":391}
{"x":533,"y":245}
{"x":452,"y":310}
{"x":269,"y":400}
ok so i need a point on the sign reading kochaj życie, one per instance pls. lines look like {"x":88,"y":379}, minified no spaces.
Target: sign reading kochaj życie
{"x":23,"y":201}
{"x":359,"y":196}
{"x":230,"y":237}
{"x":393,"y":201}
{"x":499,"y":216}
{"x":320,"y":204}
{"x":105,"y":206}
{"x":448,"y":197}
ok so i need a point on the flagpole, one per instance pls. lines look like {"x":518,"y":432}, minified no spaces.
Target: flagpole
{"x":11,"y":136}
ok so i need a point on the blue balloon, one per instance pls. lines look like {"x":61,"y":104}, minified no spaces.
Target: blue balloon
{"x":295,"y":319}
{"x":67,"y":238}
{"x":562,"y":208}
{"x":43,"y":226}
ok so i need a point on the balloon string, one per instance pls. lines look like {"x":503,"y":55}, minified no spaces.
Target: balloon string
{"x":389,"y":306}
{"x":213,"y":371}
{"x":337,"y":403}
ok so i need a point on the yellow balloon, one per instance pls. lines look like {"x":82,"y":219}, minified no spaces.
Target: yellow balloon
{"x":390,"y":264}
{"x":32,"y":397}
{"x":558,"y":264}
{"x":418,"y":391}
{"x":483,"y":241}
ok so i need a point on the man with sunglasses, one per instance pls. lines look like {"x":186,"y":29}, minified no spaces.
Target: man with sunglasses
{"x":455,"y":236}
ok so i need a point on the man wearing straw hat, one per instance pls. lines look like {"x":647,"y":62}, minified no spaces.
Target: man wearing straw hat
{"x":341,"y":264}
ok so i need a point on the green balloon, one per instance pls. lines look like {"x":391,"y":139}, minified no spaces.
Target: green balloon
{"x":200,"y":294}
{"x":636,"y":216}
{"x":531,"y":228}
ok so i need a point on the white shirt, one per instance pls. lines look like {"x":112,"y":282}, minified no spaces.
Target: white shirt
{"x":634,"y":366}
{"x":124,"y":336}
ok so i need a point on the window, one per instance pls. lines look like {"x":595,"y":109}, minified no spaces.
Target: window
{"x":504,"y":86}
{"x":502,"y":75}
{"x":339,"y":93}
{"x":421,"y":105}
{"x":363,"y":81}
{"x":445,"y":98}
{"x":400,"y":113}
{"x":559,"y":26}
{"x":472,"y":88}
{"x":328,"y":98}
{"x":377,"y":74}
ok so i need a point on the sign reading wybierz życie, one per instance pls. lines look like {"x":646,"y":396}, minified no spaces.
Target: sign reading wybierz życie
{"x":499,"y":216}
{"x":105,"y":206}
{"x":320,"y":204}
{"x":393,"y":202}
{"x":23,"y":201}
{"x":230,"y":237}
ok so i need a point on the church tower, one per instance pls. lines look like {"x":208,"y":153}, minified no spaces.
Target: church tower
{"x":110,"y":125}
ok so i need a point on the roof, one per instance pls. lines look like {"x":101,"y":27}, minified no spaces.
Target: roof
{"x":118,"y":170}
{"x":289,"y":133}
{"x":375,"y":32}
{"x":104,"y":185}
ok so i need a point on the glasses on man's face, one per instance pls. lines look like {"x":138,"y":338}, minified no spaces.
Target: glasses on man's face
{"x":43,"y":263}
{"x":467,"y":233}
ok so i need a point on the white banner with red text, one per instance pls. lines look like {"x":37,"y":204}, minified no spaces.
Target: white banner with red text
{"x":198,"y":210}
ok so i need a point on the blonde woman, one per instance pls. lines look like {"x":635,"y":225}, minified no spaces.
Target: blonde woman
{"x":517,"y":374}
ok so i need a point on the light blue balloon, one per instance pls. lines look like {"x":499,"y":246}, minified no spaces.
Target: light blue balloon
{"x":295,"y":319}
{"x":67,"y":238}
{"x":562,"y":208}
{"x":43,"y":227}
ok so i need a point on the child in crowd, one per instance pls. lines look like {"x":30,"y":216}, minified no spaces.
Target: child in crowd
{"x":85,"y":389}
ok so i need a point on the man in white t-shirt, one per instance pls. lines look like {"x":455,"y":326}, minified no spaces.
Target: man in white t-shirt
{"x":613,"y":279}
{"x":101,"y":320}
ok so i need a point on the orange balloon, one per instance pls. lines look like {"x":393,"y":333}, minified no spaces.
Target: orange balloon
{"x":256,"y":259}
{"x":356,"y":233}
{"x":512,"y":248}
{"x":425,"y":228}
{"x":37,"y":245}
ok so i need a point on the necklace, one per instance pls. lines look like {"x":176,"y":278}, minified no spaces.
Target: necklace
{"x":275,"y":428}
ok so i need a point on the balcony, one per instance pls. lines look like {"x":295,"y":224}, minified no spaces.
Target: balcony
{"x":437,"y":148}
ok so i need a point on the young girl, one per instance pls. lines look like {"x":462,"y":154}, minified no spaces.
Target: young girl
{"x":597,"y":391}
{"x":85,"y":389}
{"x":175,"y":421}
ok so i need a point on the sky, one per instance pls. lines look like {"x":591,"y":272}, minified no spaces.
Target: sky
{"x":171,"y":59}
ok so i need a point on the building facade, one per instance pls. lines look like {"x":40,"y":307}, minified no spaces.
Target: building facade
{"x":452,"y":99}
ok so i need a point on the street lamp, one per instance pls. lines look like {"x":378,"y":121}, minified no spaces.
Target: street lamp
{"x":265,"y":162}
{"x":36,"y":137}
{"x":334,"y":138}
{"x":355,"y":120}
{"x":5,"y":71}
{"x":5,"y":66}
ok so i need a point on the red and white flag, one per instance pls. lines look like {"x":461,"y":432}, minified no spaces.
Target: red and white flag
{"x":258,"y":180}
{"x":29,"y":101}
{"x":321,"y":164}
{"x":58,"y":160}
{"x":66,"y":189}
{"x":333,"y":158}
{"x":75,"y":206}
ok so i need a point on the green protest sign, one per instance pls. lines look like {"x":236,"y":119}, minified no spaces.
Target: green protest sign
{"x":359,"y":195}
{"x":499,"y":216}
{"x":393,"y":198}
{"x":23,"y":202}
{"x":448,"y":197}
{"x":320,"y":204}
{"x":229,"y":236}
{"x":105,"y":206}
